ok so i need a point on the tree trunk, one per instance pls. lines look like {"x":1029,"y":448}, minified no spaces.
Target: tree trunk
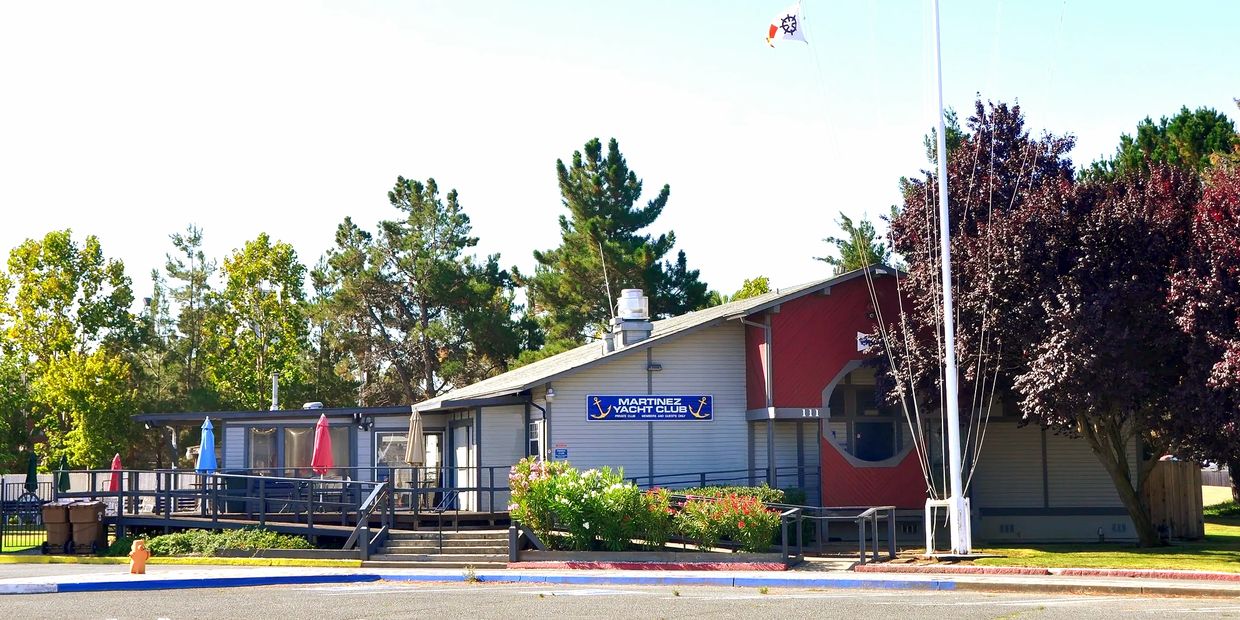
{"x":1110,"y":451}
{"x":1233,"y":470}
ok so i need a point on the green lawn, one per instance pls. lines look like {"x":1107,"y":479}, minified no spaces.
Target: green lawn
{"x":1218,"y":551}
{"x":1211,"y":496}
{"x":29,"y":542}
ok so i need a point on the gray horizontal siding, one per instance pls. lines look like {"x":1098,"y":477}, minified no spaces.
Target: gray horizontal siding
{"x":710,"y":361}
{"x":1009,"y":467}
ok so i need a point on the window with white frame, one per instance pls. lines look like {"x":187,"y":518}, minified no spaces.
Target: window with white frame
{"x":536,"y":439}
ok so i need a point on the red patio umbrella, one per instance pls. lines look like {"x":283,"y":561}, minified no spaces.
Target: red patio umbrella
{"x":115,"y":483}
{"x":321,"y":458}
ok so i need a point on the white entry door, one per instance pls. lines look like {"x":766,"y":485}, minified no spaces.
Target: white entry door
{"x":466,"y":473}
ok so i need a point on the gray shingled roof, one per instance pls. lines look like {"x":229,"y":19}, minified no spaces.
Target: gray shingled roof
{"x":530,"y":375}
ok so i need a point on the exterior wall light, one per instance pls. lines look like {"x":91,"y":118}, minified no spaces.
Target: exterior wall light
{"x":550,"y":393}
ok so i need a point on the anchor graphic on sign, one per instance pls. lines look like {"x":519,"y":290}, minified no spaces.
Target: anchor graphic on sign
{"x":598,"y":404}
{"x":698,"y":414}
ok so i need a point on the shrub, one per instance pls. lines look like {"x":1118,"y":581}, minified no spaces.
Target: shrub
{"x":748,"y":522}
{"x":655,"y":521}
{"x":583,"y":510}
{"x":761,"y":492}
{"x":739,"y":518}
{"x":121,"y":547}
{"x":203,"y":542}
{"x":697,"y":521}
{"x":534,"y":485}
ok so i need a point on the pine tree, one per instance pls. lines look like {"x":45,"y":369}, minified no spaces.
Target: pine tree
{"x":603,"y":247}
{"x":858,"y":248}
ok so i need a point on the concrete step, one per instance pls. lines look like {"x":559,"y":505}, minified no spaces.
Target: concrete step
{"x":435,"y":549}
{"x":455,"y":542}
{"x":402,"y":564}
{"x":474,"y":559}
{"x":463,"y":534}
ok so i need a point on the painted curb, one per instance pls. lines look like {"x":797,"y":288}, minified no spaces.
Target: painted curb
{"x":184,"y":561}
{"x":646,"y":579}
{"x":651,"y":566}
{"x":211,"y":582}
{"x":912,"y":569}
{"x":694,"y":580}
{"x":1071,"y":588}
{"x":27,"y":588}
{"x":1046,"y":572}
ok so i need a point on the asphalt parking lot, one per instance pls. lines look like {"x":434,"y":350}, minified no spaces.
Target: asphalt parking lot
{"x":482,"y":601}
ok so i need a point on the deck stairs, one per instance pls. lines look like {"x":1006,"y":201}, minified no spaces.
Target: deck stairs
{"x":460,"y":549}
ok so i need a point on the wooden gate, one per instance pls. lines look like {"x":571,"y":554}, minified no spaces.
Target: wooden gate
{"x":1173,"y":495}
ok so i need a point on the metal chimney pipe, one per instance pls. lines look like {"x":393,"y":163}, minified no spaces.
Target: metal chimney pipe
{"x":275,"y":391}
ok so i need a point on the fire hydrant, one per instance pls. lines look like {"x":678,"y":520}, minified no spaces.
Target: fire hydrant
{"x":138,"y":555}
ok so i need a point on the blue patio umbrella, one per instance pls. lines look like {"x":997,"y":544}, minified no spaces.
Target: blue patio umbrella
{"x":206,"y":450}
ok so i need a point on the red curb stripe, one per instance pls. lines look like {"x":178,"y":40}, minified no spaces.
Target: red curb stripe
{"x":1066,"y":572}
{"x":957,"y":570}
{"x":763,"y":566}
{"x":1146,"y":574}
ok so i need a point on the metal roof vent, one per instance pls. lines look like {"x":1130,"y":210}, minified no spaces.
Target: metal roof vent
{"x":314,"y":405}
{"x":633,"y":305}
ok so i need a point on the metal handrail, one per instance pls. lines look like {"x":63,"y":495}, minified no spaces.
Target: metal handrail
{"x":361,"y":532}
{"x":730,"y":476}
{"x":868,"y":516}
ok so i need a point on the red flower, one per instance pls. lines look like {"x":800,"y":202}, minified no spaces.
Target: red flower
{"x":740,"y":524}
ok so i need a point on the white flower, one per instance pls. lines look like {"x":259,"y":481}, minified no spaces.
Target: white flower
{"x":586,"y":525}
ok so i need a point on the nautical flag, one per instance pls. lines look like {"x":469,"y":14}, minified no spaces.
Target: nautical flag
{"x":786,"y":25}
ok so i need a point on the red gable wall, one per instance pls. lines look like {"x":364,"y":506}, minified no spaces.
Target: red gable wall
{"x":813,"y":338}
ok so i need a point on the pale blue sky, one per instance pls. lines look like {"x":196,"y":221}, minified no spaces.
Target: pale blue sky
{"x":131,"y":120}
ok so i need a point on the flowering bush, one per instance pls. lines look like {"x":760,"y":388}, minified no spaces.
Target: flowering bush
{"x":739,"y":518}
{"x":583,"y":510}
{"x":534,"y":485}
{"x":746,"y":521}
{"x":654,"y":522}
{"x":589,"y":505}
{"x":762,"y":492}
{"x":698,"y":521}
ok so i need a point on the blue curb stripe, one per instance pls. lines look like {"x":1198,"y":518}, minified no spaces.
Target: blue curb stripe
{"x":671,"y":580}
{"x":646,"y":580}
{"x":212,"y":582}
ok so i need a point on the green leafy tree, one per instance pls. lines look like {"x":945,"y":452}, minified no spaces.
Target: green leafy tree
{"x":858,"y":247}
{"x":327,"y":364}
{"x":955,"y":136}
{"x":156,"y":367}
{"x":190,"y":273}
{"x":64,"y":316}
{"x":257,"y":325}
{"x":1187,"y":140}
{"x":751,"y":287}
{"x":602,"y":244}
{"x":418,"y":313}
{"x":90,"y":398}
{"x":17,"y":422}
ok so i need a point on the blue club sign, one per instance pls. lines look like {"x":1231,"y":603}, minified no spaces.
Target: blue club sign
{"x":652,"y":408}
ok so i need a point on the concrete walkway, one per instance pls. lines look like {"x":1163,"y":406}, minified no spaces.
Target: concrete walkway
{"x":19,"y":579}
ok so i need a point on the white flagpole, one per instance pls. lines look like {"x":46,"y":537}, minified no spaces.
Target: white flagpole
{"x":961,"y":538}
